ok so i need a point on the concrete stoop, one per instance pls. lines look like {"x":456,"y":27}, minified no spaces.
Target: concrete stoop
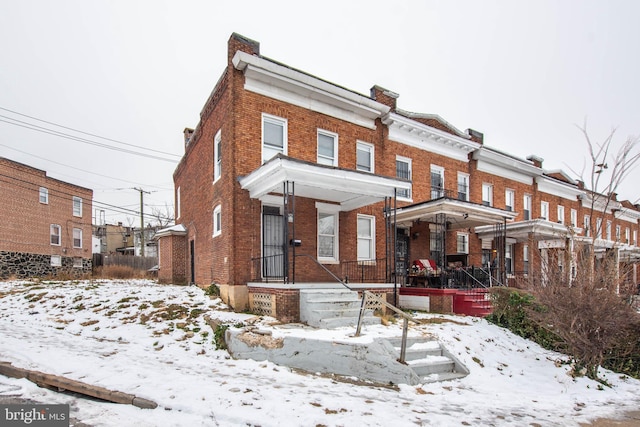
{"x":375,"y":361}
{"x":333,"y":308}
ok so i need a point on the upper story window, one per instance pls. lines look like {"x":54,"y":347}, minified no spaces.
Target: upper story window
{"x":463,"y":186}
{"x":608,"y":230}
{"x":327,"y":233}
{"x":217,"y":221}
{"x":635,"y":237}
{"x":364,"y":157}
{"x":274,"y":136}
{"x":560,"y":214}
{"x":509,"y":200}
{"x":574,"y":218}
{"x":77,"y":237}
{"x":599,"y":228}
{"x":403,"y":170}
{"x":462,"y":241}
{"x":366,"y":237}
{"x":487,"y":194}
{"x":437,"y":182}
{"x":587,"y":225}
{"x":217,"y":155}
{"x":55,"y":234}
{"x":178,"y":202}
{"x":44,"y":195}
{"x":627,"y":235}
{"x":77,"y":206}
{"x":327,"y":148}
{"x":618,"y":233}
{"x":544,"y":210}
{"x":527,"y":207}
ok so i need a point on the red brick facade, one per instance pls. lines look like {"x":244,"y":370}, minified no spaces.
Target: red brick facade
{"x":235,"y":111}
{"x":30,"y":204}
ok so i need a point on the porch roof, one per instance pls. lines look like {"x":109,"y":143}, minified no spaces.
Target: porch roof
{"x":541,"y":228}
{"x":459,"y":213}
{"x":349,"y":188}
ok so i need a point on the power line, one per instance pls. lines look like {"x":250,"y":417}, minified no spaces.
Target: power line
{"x":87,"y":133}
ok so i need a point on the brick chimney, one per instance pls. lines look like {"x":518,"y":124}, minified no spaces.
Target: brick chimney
{"x":537,"y":161}
{"x":238,"y":42}
{"x":384,"y":96}
{"x":188,"y":133}
{"x":476,"y":136}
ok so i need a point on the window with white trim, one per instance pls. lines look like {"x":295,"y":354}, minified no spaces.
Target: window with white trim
{"x":560,"y":214}
{"x":437,"y":181}
{"x":55,"y":234}
{"x":44,"y":195}
{"x":509,"y":200}
{"x":77,"y":206}
{"x":599,"y":228}
{"x":608,"y":230}
{"x":217,"y":155}
{"x":527,"y":207}
{"x":364,"y":157}
{"x":327,"y":236}
{"x":178,"y":202}
{"x":217,"y":220}
{"x":487,"y":194}
{"x":403,"y":170}
{"x":618,"y":233}
{"x":627,"y":236}
{"x":508,"y":257}
{"x":463,"y":186}
{"x":525,"y":258}
{"x":327,"y":148}
{"x":587,"y":225}
{"x":56,"y":261}
{"x":77,"y":262}
{"x":77,"y":237}
{"x":274,"y":136}
{"x":544,"y":210}
{"x":574,"y":218}
{"x":366,"y":237}
{"x":635,"y":237}
{"x":463,"y":243}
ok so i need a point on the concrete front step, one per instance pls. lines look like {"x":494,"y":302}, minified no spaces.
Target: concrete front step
{"x":340,"y":322}
{"x":432,"y":365}
{"x":332,"y":308}
{"x":420,"y":350}
{"x":429,"y":360}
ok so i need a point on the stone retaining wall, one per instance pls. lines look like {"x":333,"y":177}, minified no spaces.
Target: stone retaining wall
{"x":23,"y":265}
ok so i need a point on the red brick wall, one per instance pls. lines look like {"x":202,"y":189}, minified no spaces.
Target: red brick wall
{"x":25,"y":225}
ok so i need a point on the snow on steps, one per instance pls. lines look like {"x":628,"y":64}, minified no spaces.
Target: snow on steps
{"x":430,"y":361}
{"x":332,"y":308}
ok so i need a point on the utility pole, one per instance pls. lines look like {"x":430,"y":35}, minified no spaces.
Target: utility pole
{"x":141,"y":218}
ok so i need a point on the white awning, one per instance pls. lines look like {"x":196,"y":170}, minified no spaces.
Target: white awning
{"x":540,"y":228}
{"x":349,"y":188}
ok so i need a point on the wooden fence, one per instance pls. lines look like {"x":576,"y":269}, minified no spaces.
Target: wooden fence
{"x":136,"y":262}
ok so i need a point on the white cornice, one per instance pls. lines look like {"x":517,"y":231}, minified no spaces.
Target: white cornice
{"x":288,"y":85}
{"x":410,"y":132}
{"x":496,"y":163}
{"x":557,"y":188}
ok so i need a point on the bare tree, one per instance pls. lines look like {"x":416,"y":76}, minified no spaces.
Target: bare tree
{"x":163,"y":217}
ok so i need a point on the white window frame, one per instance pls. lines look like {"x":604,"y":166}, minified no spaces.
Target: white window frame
{"x":400,"y":159}
{"x":587,"y":225}
{"x":77,"y":262}
{"x":635,"y":237}
{"x":77,"y":206}
{"x":178,"y":202}
{"x":57,"y":227}
{"x":525,"y":258}
{"x":325,"y":160}
{"x":267,"y":118}
{"x":599,"y":228}
{"x":526,"y":208}
{"x":217,"y":156}
{"x":334,"y":211}
{"x":56,"y":261}
{"x":509,"y":199}
{"x":436,"y":192}
{"x":574,"y":218}
{"x":508,"y":260}
{"x":544,"y":210}
{"x":487,"y":194}
{"x":463,"y":178}
{"x":77,"y":236}
{"x":627,"y":235}
{"x":465,"y":243}
{"x":608,"y":230}
{"x":369,"y":240}
{"x":618,"y":233}
{"x":365,"y":147}
{"x":217,"y":220}
{"x":43,"y":195}
{"x":560,"y":214}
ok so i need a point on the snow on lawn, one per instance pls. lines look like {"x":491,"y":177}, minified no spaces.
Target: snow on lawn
{"x":153,"y":341}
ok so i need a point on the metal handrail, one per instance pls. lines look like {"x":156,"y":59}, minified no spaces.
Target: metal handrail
{"x":339,"y":280}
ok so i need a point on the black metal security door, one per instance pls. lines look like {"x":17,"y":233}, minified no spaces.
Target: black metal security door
{"x":272,"y":243}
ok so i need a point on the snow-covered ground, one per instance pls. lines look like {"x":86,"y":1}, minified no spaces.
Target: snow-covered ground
{"x":153,"y":341}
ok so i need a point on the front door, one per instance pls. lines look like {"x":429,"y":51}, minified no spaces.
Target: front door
{"x":402,"y":257}
{"x":272,"y":243}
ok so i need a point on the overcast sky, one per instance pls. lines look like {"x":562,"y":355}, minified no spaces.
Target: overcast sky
{"x":524,"y":73}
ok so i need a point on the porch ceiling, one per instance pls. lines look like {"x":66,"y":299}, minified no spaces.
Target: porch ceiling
{"x":459,"y":213}
{"x":539,"y":227}
{"x":348,"y":188}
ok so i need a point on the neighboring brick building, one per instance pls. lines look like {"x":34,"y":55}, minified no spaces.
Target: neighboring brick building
{"x":286,"y":179}
{"x":45,"y":224}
